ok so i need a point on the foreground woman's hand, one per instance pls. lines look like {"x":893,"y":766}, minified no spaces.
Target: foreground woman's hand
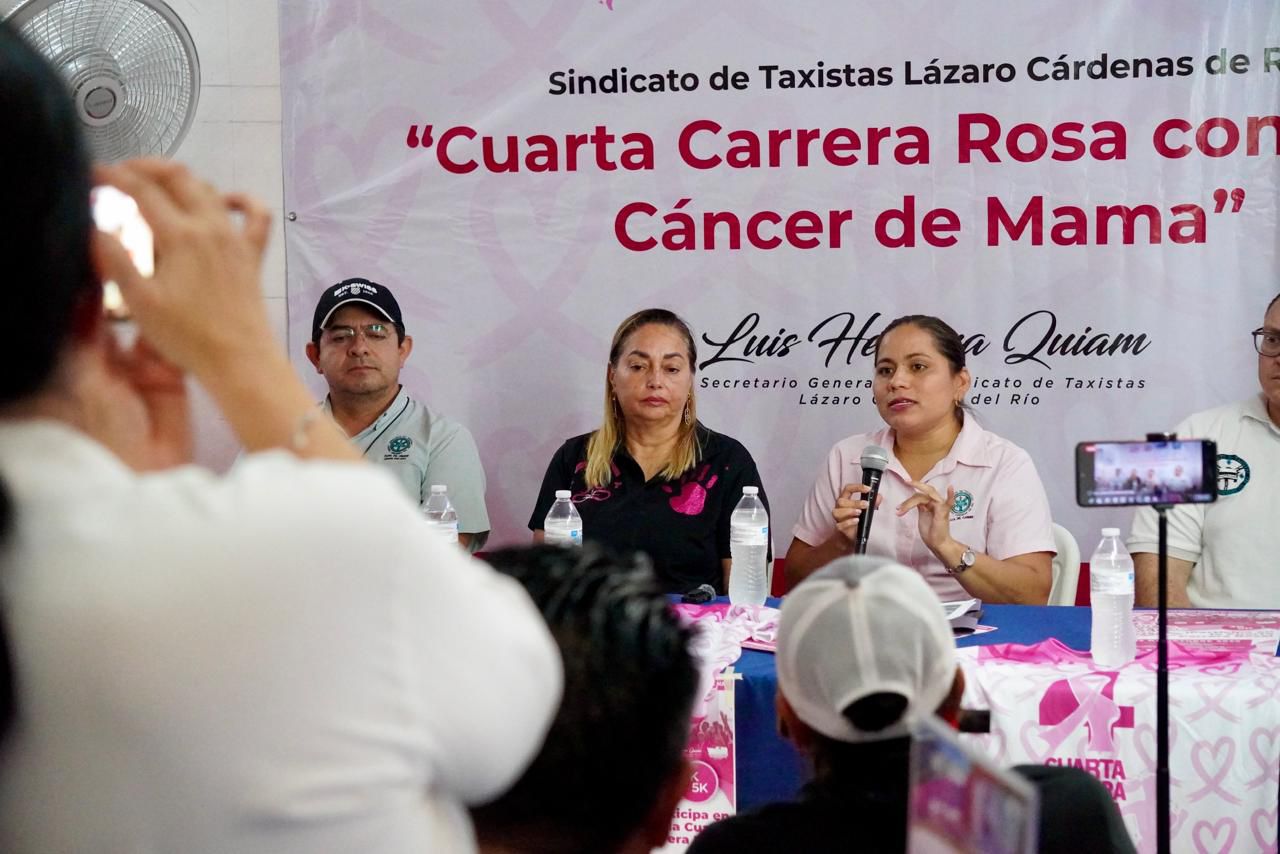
{"x":203,"y":308}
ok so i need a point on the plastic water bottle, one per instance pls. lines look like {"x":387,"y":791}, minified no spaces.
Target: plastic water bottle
{"x":749,"y":549}
{"x":441,"y":517}
{"x":1111,"y":595}
{"x":563,"y":525}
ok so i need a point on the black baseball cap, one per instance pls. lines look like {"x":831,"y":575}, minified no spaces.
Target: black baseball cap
{"x":372,"y":294}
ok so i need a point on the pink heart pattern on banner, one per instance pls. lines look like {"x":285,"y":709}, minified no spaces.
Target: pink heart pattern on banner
{"x":994,"y":745}
{"x":1265,"y":825}
{"x":303,"y":34}
{"x":1267,"y":686}
{"x":1214,"y":838}
{"x":531,"y":46}
{"x":1220,"y":754}
{"x":360,"y":243}
{"x":535,"y":306}
{"x":1031,"y":735}
{"x":1262,"y":747}
{"x":1145,"y":743}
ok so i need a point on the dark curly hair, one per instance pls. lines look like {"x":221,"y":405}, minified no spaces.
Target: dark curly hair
{"x":623,"y":722}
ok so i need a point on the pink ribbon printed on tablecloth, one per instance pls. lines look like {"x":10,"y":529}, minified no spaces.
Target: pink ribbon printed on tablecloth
{"x":1050,"y":705}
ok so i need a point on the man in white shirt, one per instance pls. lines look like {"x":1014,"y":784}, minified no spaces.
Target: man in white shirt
{"x":204,"y":663}
{"x":1226,"y":554}
{"x":358,"y":343}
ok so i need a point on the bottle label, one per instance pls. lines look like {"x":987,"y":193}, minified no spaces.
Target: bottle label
{"x":750,"y":536}
{"x":562,"y":536}
{"x":447,"y":531}
{"x":1111,"y":582}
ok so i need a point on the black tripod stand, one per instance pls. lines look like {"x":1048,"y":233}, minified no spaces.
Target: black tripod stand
{"x":1162,"y":687}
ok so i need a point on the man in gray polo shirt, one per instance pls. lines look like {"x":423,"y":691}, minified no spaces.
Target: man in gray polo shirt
{"x":358,"y":343}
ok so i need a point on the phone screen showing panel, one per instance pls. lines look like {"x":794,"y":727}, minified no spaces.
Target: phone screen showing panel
{"x":1119,"y":474}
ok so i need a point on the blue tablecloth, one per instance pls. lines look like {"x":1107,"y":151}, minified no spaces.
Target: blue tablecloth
{"x":769,"y":768}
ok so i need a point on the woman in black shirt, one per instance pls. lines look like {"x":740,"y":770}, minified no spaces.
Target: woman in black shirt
{"x":652,"y":478}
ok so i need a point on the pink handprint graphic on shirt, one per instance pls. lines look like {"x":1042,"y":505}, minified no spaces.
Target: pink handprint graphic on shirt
{"x":693,"y":492}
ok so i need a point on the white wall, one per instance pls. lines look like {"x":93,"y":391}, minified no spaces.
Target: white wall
{"x":235,"y":143}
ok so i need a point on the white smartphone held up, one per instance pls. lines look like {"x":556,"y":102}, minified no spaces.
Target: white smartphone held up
{"x":117,"y":214}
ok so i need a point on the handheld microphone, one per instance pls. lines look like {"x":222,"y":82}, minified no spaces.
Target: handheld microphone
{"x":699,"y":595}
{"x":874,"y":461}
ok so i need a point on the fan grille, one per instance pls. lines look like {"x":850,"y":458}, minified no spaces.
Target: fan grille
{"x":135,"y":52}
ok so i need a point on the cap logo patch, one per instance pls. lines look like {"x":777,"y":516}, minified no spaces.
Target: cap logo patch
{"x":354,"y":289}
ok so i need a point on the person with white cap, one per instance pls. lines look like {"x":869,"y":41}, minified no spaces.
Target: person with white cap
{"x":358,"y":343}
{"x":864,"y":653}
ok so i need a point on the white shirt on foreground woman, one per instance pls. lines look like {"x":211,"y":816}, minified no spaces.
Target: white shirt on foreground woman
{"x":279,"y":660}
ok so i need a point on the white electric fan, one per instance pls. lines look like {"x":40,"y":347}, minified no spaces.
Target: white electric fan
{"x":131,"y":65}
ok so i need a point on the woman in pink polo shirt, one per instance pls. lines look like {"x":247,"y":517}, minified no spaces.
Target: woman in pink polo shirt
{"x":960,"y":505}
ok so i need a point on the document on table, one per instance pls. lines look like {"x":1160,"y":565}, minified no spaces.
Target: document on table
{"x":963,"y":615}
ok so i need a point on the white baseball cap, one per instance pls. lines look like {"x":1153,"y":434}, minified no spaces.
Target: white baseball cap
{"x":861,"y":626}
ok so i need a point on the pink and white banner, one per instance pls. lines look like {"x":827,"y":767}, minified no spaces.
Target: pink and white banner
{"x":1087,"y":191}
{"x":1050,"y":705}
{"x":712,"y":752}
{"x":1257,"y":631}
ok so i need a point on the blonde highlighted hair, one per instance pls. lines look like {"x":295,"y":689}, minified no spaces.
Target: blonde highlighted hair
{"x":606,"y":441}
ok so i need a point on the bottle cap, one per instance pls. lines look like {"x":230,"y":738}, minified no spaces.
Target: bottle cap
{"x":750,"y":490}
{"x":1110,"y":532}
{"x":563,"y":493}
{"x":437,"y":488}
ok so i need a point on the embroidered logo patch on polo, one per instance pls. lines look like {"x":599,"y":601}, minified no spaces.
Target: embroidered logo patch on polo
{"x":1233,"y":474}
{"x":398,"y":448}
{"x":962,"y":504}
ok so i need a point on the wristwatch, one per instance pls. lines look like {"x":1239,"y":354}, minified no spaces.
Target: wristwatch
{"x":968,"y":559}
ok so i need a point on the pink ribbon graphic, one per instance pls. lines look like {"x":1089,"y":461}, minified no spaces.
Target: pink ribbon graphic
{"x":1213,"y":704}
{"x":1265,"y":756}
{"x":1086,"y":699}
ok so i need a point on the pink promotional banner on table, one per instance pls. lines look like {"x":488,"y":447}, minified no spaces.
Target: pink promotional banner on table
{"x":1050,"y":705}
{"x":712,"y":793}
{"x":1086,"y":191}
{"x":1207,"y":629}
{"x":722,"y":632}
